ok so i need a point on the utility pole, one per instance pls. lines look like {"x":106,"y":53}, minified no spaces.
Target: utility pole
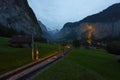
{"x":33,"y":56}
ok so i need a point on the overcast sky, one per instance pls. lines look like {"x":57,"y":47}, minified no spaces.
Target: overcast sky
{"x":55,"y":13}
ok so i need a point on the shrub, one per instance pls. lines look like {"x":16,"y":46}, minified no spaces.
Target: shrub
{"x":113,"y":47}
{"x":76,"y":43}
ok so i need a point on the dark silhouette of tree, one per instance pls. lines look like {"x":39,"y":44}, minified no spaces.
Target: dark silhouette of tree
{"x":114,"y":48}
{"x":76,"y":43}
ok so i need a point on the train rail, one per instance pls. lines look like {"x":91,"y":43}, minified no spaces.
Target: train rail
{"x":23,"y":72}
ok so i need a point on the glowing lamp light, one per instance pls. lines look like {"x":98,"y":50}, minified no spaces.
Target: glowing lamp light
{"x":89,"y":34}
{"x":90,"y":27}
{"x":67,"y":46}
{"x":37,"y":52}
{"x":89,"y":41}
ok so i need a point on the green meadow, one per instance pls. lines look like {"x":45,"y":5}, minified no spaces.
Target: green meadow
{"x":79,"y":64}
{"x":11,"y":57}
{"x":84,"y":64}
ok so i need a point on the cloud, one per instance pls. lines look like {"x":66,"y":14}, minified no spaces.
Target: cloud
{"x":55,"y":13}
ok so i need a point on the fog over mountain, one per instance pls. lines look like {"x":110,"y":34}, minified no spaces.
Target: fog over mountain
{"x":105,"y":25}
{"x":55,"y":13}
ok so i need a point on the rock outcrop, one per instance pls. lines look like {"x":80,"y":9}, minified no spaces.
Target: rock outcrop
{"x":17,"y":14}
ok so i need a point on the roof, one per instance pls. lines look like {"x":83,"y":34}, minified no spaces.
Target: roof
{"x":21,"y":39}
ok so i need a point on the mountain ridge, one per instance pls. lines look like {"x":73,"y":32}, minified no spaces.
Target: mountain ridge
{"x":107,"y":20}
{"x":17,"y":14}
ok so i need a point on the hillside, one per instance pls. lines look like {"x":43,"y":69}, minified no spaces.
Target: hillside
{"x":84,"y":64}
{"x":17,"y":15}
{"x":111,"y":14}
{"x":12,"y":57}
{"x":105,"y":24}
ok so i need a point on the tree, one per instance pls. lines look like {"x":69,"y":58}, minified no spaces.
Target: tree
{"x":114,"y":48}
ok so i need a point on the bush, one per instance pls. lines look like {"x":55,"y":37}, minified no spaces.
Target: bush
{"x":113,"y":47}
{"x":76,"y":43}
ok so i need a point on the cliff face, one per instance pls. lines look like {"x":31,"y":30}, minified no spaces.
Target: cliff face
{"x":45,"y":33}
{"x":105,"y":24}
{"x":43,"y":27}
{"x":101,"y":30}
{"x":17,"y":14}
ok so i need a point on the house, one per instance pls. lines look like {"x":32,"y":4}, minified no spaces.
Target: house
{"x":21,"y":41}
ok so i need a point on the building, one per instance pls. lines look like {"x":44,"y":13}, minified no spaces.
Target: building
{"x":21,"y":41}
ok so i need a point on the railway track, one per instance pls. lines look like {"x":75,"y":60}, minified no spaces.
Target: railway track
{"x":24,"y":72}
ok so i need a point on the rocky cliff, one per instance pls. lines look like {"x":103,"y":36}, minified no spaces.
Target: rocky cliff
{"x":105,"y":24}
{"x":17,"y":14}
{"x":45,"y":33}
{"x":42,"y":26}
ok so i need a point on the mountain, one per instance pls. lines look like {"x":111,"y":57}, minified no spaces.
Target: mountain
{"x":16,"y":15}
{"x":111,"y":14}
{"x":53,"y":35}
{"x":105,"y":25}
{"x":42,"y":26}
{"x":47,"y":33}
{"x":53,"y":31}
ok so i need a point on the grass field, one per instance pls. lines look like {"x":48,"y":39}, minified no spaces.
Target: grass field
{"x":11,"y":58}
{"x":83,"y":64}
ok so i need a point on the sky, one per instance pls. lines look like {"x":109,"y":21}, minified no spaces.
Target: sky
{"x":55,"y":13}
